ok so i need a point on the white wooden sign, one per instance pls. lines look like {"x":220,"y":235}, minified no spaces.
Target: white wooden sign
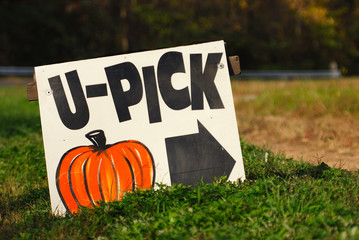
{"x":116,"y":123}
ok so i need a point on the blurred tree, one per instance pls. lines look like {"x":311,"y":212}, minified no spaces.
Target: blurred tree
{"x":347,"y":30}
{"x":266,"y":34}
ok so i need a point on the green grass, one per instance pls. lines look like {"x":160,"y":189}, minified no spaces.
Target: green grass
{"x":281,"y":198}
{"x":306,"y":97}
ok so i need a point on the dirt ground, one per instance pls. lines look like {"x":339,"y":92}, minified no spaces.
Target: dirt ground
{"x":330,"y":139}
{"x":334,"y":141}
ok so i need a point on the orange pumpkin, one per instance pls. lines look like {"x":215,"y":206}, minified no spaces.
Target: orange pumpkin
{"x":88,"y":174}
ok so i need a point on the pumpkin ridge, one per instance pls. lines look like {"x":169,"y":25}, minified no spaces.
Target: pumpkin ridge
{"x":137,"y":171}
{"x":107,"y":179}
{"x":74,"y":179}
{"x":91,"y":172}
{"x":124,"y":171}
{"x":144,"y":154}
{"x":151,"y":161}
{"x":62,"y":181}
{"x":85,"y":180}
{"x":99,"y":180}
{"x":115,"y":175}
{"x":132,"y":174}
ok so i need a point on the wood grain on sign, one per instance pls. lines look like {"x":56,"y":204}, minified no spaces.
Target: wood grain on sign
{"x":234,"y":69}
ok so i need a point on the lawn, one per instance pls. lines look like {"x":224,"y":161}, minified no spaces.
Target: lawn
{"x":280,"y":199}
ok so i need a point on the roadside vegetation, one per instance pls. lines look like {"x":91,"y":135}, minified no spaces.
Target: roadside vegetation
{"x":280,"y":199}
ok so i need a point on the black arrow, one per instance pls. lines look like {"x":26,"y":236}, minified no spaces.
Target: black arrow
{"x":197,"y":156}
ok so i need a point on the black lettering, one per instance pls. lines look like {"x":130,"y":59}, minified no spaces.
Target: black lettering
{"x":80,"y":118}
{"x":153,"y":106}
{"x":202,"y":83}
{"x":169,"y":64}
{"x":123,"y":99}
{"x":96,"y":90}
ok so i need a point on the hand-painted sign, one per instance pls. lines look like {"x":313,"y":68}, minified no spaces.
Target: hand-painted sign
{"x":163,"y":116}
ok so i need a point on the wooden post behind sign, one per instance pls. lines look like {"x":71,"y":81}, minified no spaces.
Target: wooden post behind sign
{"x":32,"y":91}
{"x":234,"y":69}
{"x":234,"y":65}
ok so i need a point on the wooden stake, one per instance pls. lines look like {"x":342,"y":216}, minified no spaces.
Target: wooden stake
{"x":234,"y":67}
{"x":32,"y":91}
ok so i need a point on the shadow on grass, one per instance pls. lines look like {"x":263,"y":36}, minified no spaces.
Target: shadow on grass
{"x":31,"y":198}
{"x":308,"y":170}
{"x":313,"y":171}
{"x":262,"y":163}
{"x":24,"y":213}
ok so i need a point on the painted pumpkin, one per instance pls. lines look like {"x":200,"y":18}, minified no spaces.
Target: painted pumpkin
{"x":88,"y":174}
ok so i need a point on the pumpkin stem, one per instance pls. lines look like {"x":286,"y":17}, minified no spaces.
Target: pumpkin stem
{"x":97,"y":137}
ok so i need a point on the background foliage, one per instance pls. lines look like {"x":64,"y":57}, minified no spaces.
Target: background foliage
{"x":278,"y":34}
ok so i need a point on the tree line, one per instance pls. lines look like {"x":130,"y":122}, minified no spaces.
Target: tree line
{"x":277,"y":34}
